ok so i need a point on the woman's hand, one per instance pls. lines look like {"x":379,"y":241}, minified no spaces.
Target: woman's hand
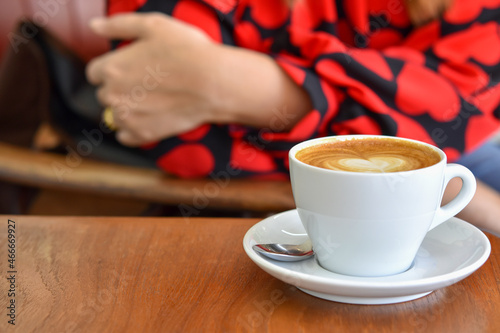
{"x":172,"y":78}
{"x":159,"y":84}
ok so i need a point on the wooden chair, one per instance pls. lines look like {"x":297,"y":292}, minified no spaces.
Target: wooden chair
{"x":192,"y":197}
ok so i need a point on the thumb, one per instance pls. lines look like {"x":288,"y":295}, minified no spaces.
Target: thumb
{"x":121,"y":26}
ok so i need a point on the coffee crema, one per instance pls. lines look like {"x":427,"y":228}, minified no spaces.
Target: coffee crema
{"x":371,"y":155}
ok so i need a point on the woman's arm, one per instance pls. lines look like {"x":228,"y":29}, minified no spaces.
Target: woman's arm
{"x":484,"y":209}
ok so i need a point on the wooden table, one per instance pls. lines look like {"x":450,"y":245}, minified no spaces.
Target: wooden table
{"x":76,"y":274}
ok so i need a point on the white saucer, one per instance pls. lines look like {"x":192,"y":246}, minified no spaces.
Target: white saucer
{"x":449,"y":253}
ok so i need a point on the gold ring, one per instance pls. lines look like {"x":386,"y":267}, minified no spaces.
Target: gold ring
{"x":108,"y":119}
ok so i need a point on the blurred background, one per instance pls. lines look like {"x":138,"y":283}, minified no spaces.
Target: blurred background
{"x":29,"y":184}
{"x":67,"y":19}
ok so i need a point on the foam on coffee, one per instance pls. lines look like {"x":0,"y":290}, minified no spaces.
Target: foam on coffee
{"x":372,"y":155}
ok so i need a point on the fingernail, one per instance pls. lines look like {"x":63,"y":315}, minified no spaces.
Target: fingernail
{"x":97,"y":23}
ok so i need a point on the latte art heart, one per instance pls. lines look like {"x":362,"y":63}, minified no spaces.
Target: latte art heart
{"x":369,"y":155}
{"x":373,"y":164}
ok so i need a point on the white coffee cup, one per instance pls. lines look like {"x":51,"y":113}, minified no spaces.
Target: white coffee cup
{"x":372,"y":224}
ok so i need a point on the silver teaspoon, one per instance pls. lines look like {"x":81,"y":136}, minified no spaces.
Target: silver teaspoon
{"x":285,"y":252}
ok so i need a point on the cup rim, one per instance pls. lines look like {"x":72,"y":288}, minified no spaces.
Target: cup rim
{"x":312,"y":142}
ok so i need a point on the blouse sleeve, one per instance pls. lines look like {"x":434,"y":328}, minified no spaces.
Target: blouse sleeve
{"x":437,"y":83}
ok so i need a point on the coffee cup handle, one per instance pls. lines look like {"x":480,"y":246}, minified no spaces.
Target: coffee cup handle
{"x":461,"y":199}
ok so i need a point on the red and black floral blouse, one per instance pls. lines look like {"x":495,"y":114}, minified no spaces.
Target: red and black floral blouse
{"x":366,"y":69}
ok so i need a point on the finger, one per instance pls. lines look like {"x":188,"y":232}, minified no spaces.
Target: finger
{"x":128,"y":138}
{"x":135,"y":130}
{"x":107,"y":66}
{"x":122,"y":116}
{"x":94,"y":70}
{"x":122,"y":26}
{"x":115,"y":97}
